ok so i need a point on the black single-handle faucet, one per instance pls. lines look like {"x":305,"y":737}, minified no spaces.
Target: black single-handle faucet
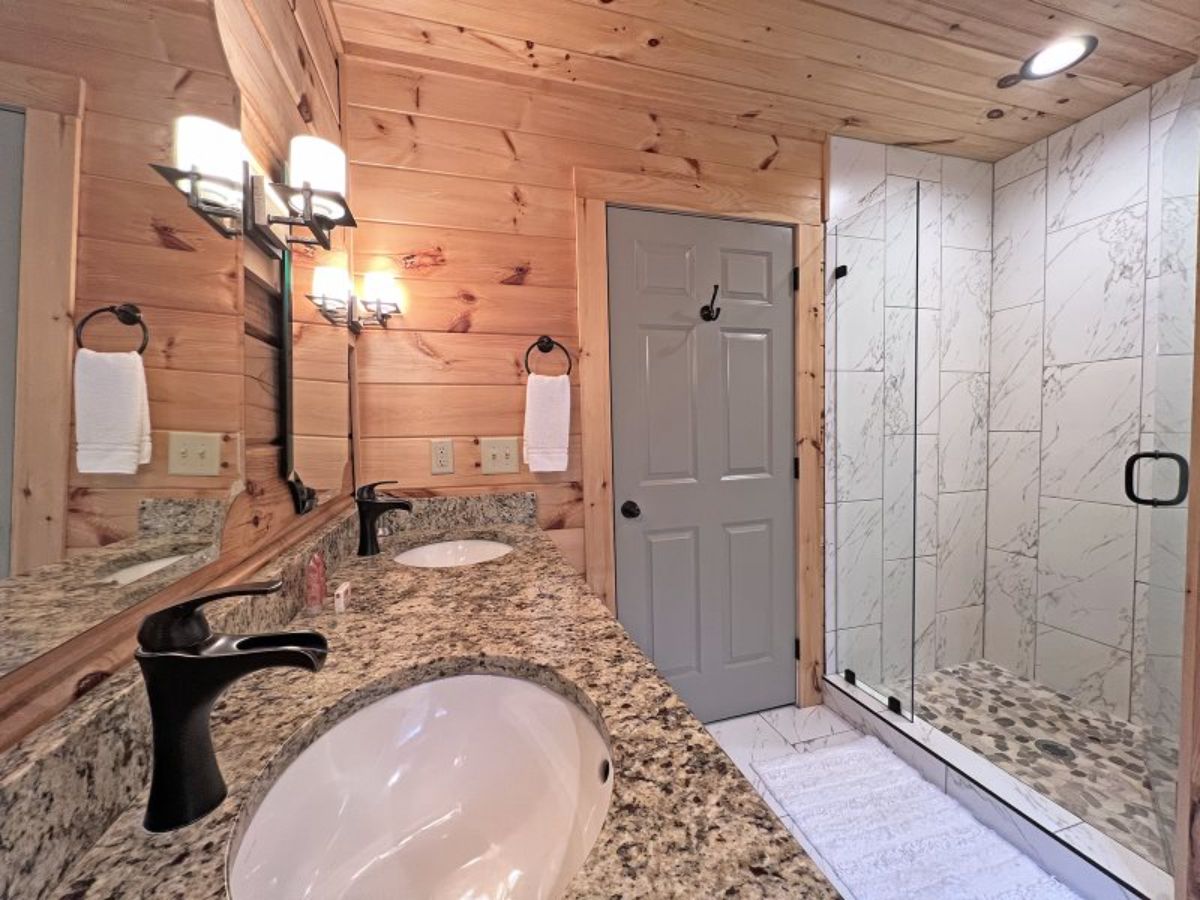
{"x":186,"y":668}
{"x":370,"y":507}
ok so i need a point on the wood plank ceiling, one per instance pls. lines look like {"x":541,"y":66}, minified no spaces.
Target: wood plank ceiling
{"x":915,"y":72}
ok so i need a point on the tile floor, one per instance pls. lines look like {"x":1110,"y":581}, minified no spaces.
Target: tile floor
{"x":759,"y":737}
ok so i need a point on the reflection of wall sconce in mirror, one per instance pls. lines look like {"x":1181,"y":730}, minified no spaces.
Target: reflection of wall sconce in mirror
{"x":212,"y":169}
{"x":332,"y":294}
{"x":380,"y":300}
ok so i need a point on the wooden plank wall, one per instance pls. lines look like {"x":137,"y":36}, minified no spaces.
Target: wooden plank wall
{"x":463,"y":184}
{"x":284,"y":58}
{"x":143,"y":65}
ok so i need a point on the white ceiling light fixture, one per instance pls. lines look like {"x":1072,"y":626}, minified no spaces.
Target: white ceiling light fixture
{"x":1059,"y":56}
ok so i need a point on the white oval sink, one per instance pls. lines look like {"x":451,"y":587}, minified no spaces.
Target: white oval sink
{"x":475,"y":786}
{"x":446,"y":554}
{"x":138,"y":571}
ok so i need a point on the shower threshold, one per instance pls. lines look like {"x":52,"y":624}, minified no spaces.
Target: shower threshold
{"x":1080,"y":803}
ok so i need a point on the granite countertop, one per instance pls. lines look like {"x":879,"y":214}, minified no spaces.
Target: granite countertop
{"x":683,"y":820}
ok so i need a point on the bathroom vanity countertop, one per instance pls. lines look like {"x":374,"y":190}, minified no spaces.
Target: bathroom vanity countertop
{"x":54,"y":603}
{"x":683,"y":820}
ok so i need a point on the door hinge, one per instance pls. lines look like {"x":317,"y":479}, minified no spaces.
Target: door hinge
{"x":797,"y":648}
{"x":795,"y":278}
{"x":796,"y":467}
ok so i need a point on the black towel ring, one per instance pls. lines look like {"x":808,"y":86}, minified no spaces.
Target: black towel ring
{"x":126,"y":313}
{"x":546,"y":343}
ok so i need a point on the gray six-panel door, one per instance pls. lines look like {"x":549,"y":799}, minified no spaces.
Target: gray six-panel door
{"x":702,"y":453}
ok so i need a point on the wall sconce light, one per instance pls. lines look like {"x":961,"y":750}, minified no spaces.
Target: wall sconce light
{"x":208,"y":169}
{"x":212,"y":169}
{"x":315,"y":193}
{"x":332,"y":294}
{"x":381,"y":299}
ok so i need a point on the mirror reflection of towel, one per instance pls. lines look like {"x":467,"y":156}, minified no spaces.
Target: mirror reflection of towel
{"x":547,"y":422}
{"x":112,"y":413}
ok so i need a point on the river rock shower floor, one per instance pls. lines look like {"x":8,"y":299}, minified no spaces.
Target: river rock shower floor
{"x":1116,"y":776}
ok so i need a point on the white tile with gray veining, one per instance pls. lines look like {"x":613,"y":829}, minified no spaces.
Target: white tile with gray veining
{"x":860,"y":649}
{"x":962,"y":525}
{"x":898,"y":620}
{"x":901,"y":238}
{"x":1024,"y":162}
{"x":1013,"y":467}
{"x":914,"y":163}
{"x":856,"y":179}
{"x":859,"y":306}
{"x":899,"y":483}
{"x":1095,"y":287}
{"x":928,"y":386}
{"x":1167,"y":394}
{"x":1016,"y":369}
{"x":925,"y":543}
{"x":1086,"y":559}
{"x":1094,"y":166}
{"x":859,"y":435}
{"x":925,"y":614}
{"x":1090,"y":418}
{"x":1019,"y":242}
{"x":963,"y":440}
{"x":900,"y":366}
{"x":966,"y":306}
{"x":1010,"y":620}
{"x":959,"y":636}
{"x":929,"y":245}
{"x":1095,"y":675}
{"x":859,"y":564}
{"x":966,"y":204}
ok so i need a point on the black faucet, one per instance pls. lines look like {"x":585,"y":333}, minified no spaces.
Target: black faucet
{"x":370,"y":507}
{"x":186,"y":667}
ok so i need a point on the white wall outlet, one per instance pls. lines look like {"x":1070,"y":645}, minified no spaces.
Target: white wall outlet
{"x":441,"y":452}
{"x":193,"y":453}
{"x":499,"y":456}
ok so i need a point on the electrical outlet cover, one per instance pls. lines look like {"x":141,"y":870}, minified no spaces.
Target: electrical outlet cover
{"x":499,"y":456}
{"x":193,"y":453}
{"x":441,"y":456}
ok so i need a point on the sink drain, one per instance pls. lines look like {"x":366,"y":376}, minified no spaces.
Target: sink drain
{"x":1055,"y":749}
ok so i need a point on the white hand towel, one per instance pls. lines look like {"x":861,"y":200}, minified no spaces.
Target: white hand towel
{"x":547,"y":422}
{"x":112,"y":413}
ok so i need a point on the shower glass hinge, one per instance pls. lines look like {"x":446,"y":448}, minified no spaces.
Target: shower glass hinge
{"x":850,"y":677}
{"x":894,"y":705}
{"x":841,"y":272}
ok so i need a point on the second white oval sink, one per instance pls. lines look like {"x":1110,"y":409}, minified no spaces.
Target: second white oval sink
{"x":447,"y":554}
{"x":473,"y":787}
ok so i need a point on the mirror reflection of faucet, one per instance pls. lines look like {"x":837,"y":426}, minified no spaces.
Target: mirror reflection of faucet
{"x":186,"y":668}
{"x":372,"y":505}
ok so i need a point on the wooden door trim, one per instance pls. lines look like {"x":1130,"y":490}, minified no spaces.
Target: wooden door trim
{"x":52,"y":104}
{"x":594,"y":190}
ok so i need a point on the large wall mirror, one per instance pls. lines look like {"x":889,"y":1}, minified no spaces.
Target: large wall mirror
{"x":160,"y":447}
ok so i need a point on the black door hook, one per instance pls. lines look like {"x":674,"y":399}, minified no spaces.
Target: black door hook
{"x":709,"y":312}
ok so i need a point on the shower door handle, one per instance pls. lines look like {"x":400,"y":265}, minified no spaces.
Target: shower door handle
{"x":1131,"y":476}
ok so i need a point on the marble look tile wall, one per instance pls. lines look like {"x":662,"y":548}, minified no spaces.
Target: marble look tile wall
{"x":907,"y":409}
{"x":1086,"y":366}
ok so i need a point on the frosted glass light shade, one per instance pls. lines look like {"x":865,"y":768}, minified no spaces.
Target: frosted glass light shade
{"x":321,"y":165}
{"x":1059,"y":56}
{"x":381,"y":293}
{"x":331,"y":287}
{"x":212,"y":149}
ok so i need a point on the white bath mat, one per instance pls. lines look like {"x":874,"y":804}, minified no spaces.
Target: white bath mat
{"x":890,"y":835}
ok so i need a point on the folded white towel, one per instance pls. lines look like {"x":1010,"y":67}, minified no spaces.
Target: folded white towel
{"x":547,"y":422}
{"x":112,"y":413}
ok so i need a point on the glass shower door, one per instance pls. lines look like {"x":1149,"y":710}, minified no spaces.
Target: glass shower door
{"x":1157,"y":477}
{"x":873,"y":441}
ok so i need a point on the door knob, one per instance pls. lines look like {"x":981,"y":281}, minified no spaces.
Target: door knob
{"x":630,"y":510}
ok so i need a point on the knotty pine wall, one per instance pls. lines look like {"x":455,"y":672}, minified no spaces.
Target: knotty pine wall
{"x":463,"y":184}
{"x":144,"y":64}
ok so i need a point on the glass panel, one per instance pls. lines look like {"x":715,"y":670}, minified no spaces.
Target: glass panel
{"x":873,"y":442}
{"x":1166,"y":428}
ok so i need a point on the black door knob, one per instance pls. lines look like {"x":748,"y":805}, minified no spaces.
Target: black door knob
{"x":630,"y":510}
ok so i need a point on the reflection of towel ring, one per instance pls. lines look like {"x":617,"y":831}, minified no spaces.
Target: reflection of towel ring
{"x":546,"y":344}
{"x":126,"y":313}
{"x":710,"y":312}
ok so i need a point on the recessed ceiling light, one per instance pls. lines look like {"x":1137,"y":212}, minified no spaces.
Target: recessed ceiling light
{"x":1059,"y":56}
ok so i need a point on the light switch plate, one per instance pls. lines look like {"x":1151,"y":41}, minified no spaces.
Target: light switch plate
{"x":193,"y":453}
{"x":499,"y":455}
{"x":441,"y":456}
